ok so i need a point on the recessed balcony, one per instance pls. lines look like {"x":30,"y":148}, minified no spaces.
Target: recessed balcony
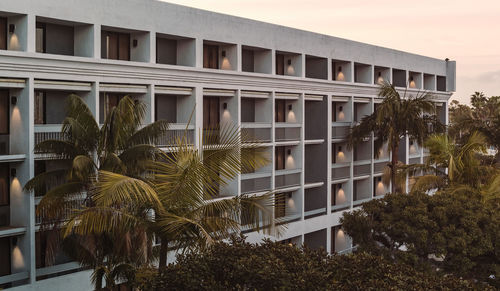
{"x":256,"y":60}
{"x":363,"y":73}
{"x":55,"y":36}
{"x":288,"y":64}
{"x":175,"y":50}
{"x":362,"y":191}
{"x":125,"y":44}
{"x":381,"y":75}
{"x":399,"y":78}
{"x":174,"y":106}
{"x":316,"y":67}
{"x":341,"y":196}
{"x":341,"y":71}
{"x":219,"y":55}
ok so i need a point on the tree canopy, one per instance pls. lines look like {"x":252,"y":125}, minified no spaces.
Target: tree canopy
{"x":240,"y":265}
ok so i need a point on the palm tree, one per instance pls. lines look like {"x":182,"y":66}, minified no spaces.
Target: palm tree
{"x":187,"y":182}
{"x":395,"y":118}
{"x":465,"y":170}
{"x":122,"y":145}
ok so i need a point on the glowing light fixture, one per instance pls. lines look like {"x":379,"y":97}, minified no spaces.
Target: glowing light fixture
{"x":289,"y":152}
{"x":135,"y":42}
{"x":340,"y":75}
{"x":223,"y":54}
{"x":13,"y":172}
{"x":13,"y":100}
{"x":380,"y":79}
{"x":412,"y":82}
{"x":12,"y":28}
{"x":224,"y":106}
{"x":290,"y":107}
{"x":289,"y":62}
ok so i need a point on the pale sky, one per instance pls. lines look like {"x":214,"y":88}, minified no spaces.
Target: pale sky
{"x":467,"y":31}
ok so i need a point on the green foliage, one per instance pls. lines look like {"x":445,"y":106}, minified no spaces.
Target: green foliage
{"x":483,"y":115}
{"x":455,"y":232}
{"x":276,"y":266}
{"x":396,"y":117}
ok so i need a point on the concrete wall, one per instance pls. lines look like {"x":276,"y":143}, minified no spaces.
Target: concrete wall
{"x":59,"y":39}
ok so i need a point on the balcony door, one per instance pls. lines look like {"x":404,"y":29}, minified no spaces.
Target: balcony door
{"x":3,"y":33}
{"x":279,"y":158}
{"x":4,"y":122}
{"x":115,"y":46}
{"x":4,"y":256}
{"x":211,"y":112}
{"x":280,"y":64}
{"x":280,"y":111}
{"x":210,"y":56}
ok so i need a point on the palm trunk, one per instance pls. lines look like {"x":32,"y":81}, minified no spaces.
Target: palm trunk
{"x":394,"y":163}
{"x":163,"y":253}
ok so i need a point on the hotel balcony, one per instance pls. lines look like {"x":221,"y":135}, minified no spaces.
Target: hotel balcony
{"x":287,"y":178}
{"x":362,"y":191}
{"x":175,"y":50}
{"x":111,"y":94}
{"x":287,"y":117}
{"x":341,"y":243}
{"x":256,"y":60}
{"x":125,"y":44}
{"x":219,"y":55}
{"x":55,"y":36}
{"x":341,"y":71}
{"x":288,"y":64}
{"x":381,"y":75}
{"x":399,"y":78}
{"x":315,"y":201}
{"x":341,"y":196}
{"x":316,"y":67}
{"x":363,"y":73}
{"x":256,"y":117}
{"x":255,"y":182}
{"x":379,"y":187}
{"x":287,"y":206}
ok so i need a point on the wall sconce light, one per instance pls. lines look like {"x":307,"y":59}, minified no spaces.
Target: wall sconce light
{"x":379,"y":74}
{"x":289,"y":152}
{"x":13,"y":172}
{"x":12,"y":28}
{"x":340,"y":69}
{"x":290,"y":107}
{"x":13,"y":100}
{"x":224,"y":105}
{"x":14,"y":241}
{"x":340,"y":148}
{"x":289,"y":194}
{"x":223,"y":54}
{"x":341,"y":108}
{"x":135,"y":43}
{"x":411,"y":78}
{"x":340,"y":186}
{"x":289,"y":62}
{"x":411,"y":142}
{"x":379,"y":179}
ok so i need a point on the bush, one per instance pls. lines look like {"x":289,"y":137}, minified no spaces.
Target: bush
{"x":275,"y":266}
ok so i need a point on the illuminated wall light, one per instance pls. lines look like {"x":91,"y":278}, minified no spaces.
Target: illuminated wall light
{"x":290,"y":162}
{"x":226,"y":65}
{"x":13,"y":100}
{"x":135,"y":43}
{"x":12,"y":28}
{"x":341,"y":115}
{"x":341,"y":199}
{"x":380,"y":79}
{"x":289,"y":152}
{"x":223,"y":54}
{"x":340,"y":155}
{"x":291,"y":114}
{"x":290,"y":70}
{"x":289,"y":62}
{"x":412,"y":83}
{"x":290,"y":107}
{"x":224,"y":105}
{"x":13,"y":172}
{"x":340,"y":75}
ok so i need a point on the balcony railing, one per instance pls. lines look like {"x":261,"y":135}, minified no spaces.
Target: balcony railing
{"x":255,"y":182}
{"x":176,"y":132}
{"x":315,"y":212}
{"x":340,"y":132}
{"x":287,"y":132}
{"x":341,"y":171}
{"x":414,"y":161}
{"x":287,"y":178}
{"x":379,"y":167}
{"x":361,"y":200}
{"x":361,"y":170}
{"x":256,"y":132}
{"x":45,"y":132}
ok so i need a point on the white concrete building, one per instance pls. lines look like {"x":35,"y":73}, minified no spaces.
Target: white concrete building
{"x":296,"y":91}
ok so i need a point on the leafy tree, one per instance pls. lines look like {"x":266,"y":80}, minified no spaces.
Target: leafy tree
{"x":483,"y":115}
{"x":275,"y":266}
{"x":454,"y":232}
{"x":394,"y":118}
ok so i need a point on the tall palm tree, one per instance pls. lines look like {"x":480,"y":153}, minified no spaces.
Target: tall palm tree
{"x":187,"y":182}
{"x":122,"y":145}
{"x":396,"y":117}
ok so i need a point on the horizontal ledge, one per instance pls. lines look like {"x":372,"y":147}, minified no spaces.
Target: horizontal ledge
{"x":313,"y":185}
{"x":314,"y":141}
{"x":57,"y":269}
{"x":14,"y":277}
{"x":7,"y":231}
{"x":12,"y":158}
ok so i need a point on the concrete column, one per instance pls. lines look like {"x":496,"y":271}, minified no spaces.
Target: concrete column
{"x":149,"y":101}
{"x":97,"y":41}
{"x":198,"y":116}
{"x":199,"y":53}
{"x":239,"y":58}
{"x":273,"y":62}
{"x":152,"y":47}
{"x":329,"y":238}
{"x":31,"y":33}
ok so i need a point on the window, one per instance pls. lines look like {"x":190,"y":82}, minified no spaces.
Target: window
{"x":40,"y":37}
{"x":4,"y":112}
{"x":280,"y":205}
{"x":211,"y":112}
{"x":280,"y":111}
{"x":110,"y":101}
{"x":115,"y":46}
{"x":280,"y":64}
{"x":3,"y":33}
{"x":280,"y":158}
{"x":40,"y":99}
{"x":4,"y":184}
{"x":4,"y":256}
{"x":210,"y":56}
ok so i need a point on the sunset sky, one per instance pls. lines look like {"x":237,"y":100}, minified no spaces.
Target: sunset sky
{"x":462,"y":30}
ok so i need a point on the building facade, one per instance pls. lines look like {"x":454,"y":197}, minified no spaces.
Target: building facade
{"x":295,"y":91}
